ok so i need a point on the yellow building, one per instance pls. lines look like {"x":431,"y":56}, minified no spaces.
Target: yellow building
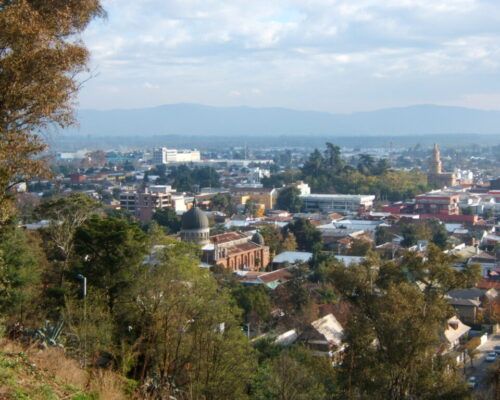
{"x":261,"y":196}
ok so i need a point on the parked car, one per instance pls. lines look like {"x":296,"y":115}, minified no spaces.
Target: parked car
{"x":497,"y":350}
{"x":491,"y":356}
{"x":472,"y":382}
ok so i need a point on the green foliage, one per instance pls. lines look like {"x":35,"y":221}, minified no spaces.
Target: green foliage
{"x":383,"y":235}
{"x":327,"y":173}
{"x":294,"y":375}
{"x":432,"y":230}
{"x":21,"y":266}
{"x":279,"y":180}
{"x":360,"y":247}
{"x":186,"y":332}
{"x":223,"y":202}
{"x":289,"y":199}
{"x":168,"y":218}
{"x":66,"y":215}
{"x":254,"y":301}
{"x":277,"y":240}
{"x":109,"y":251}
{"x":307,"y":236}
{"x":397,"y":327}
{"x":184,"y":178}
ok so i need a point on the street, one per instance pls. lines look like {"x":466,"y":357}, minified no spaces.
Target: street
{"x":481,"y":366}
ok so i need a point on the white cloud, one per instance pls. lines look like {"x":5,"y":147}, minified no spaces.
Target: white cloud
{"x":288,"y":48}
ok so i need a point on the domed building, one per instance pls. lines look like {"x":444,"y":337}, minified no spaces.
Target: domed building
{"x":258,"y":239}
{"x":195,"y":227}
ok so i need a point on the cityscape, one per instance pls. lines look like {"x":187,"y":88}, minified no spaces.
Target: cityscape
{"x":155,"y":248}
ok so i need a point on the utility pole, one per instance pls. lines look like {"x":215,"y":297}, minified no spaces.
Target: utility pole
{"x":84,"y":294}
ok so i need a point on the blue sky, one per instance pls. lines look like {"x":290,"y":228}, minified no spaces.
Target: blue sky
{"x":329,"y":55}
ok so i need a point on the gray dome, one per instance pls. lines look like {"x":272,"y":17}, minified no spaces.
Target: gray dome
{"x":258,"y":238}
{"x":194,"y":219}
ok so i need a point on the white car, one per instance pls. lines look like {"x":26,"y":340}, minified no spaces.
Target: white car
{"x":472,"y":382}
{"x":491,"y":357}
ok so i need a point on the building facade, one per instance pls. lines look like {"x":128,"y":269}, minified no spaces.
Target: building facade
{"x":339,"y":203}
{"x":260,"y":195}
{"x":144,"y":204}
{"x":164,"y":155}
{"x":438,"y":203}
{"x":236,"y":251}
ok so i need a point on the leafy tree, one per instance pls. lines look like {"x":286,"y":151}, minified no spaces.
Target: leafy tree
{"x":333,"y":158}
{"x":223,"y":202}
{"x":366,"y":164}
{"x":255,"y":303}
{"x":251,"y":208}
{"x":110,"y":253}
{"x":289,"y":199}
{"x":278,"y":180}
{"x":329,"y":174}
{"x":22,"y":264}
{"x":168,"y":218}
{"x":381,"y":167}
{"x":272,"y":238}
{"x":439,"y":233}
{"x":66,"y":215}
{"x":293,"y":375}
{"x":289,"y":242}
{"x":307,"y":236}
{"x":383,"y":235}
{"x":185,"y":332}
{"x":40,"y":56}
{"x":396,"y":328}
{"x":184,"y":178}
{"x":413,"y":232}
{"x":360,"y":247}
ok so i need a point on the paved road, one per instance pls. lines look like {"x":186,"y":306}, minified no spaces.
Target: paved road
{"x":480,"y":365}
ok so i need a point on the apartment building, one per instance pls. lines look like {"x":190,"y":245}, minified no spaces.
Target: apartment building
{"x":144,"y":204}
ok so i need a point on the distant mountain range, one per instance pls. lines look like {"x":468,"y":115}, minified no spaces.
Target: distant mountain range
{"x":195,"y":119}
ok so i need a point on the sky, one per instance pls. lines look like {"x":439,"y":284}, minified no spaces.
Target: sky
{"x":326,"y":55}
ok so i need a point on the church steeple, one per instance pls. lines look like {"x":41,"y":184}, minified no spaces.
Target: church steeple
{"x":436,"y":167}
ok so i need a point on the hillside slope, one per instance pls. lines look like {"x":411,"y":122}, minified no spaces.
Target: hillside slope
{"x":30,"y":373}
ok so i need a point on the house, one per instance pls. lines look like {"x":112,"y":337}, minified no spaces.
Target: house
{"x":455,"y":331}
{"x":455,"y":334}
{"x":269,"y":279}
{"x":324,"y":337}
{"x":468,"y":302}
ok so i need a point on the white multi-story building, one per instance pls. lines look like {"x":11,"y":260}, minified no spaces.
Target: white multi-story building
{"x":340,"y":203}
{"x":164,"y":155}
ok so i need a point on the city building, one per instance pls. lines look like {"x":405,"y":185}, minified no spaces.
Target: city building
{"x":339,"y":203}
{"x":436,"y":177}
{"x":144,"y":204}
{"x":260,"y":195}
{"x":164,"y":155}
{"x":438,"y":202}
{"x":237,"y":251}
{"x":195,"y":227}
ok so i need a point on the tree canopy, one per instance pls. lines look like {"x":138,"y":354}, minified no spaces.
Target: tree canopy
{"x":40,"y":58}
